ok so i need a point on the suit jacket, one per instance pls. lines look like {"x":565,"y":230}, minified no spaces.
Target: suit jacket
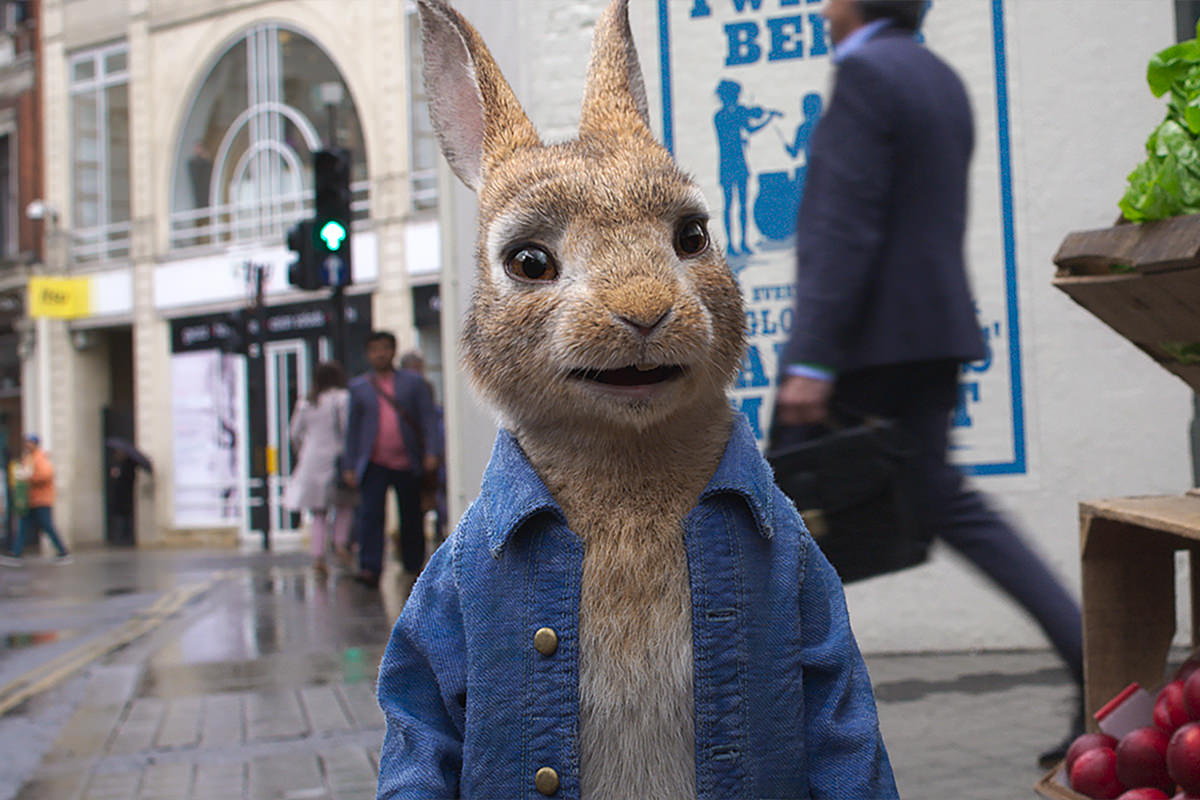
{"x":880,"y":273}
{"x":362,"y":423}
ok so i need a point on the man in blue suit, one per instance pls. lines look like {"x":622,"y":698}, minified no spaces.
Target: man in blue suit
{"x":884,"y":314}
{"x":391,"y":441}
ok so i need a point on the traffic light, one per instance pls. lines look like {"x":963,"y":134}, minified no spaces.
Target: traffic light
{"x":331,"y":224}
{"x":305,"y":271}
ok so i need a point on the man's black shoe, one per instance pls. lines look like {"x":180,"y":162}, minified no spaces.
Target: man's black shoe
{"x":368,"y":579}
{"x":1057,"y":753}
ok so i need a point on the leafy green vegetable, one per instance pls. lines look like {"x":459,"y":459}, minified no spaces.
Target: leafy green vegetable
{"x":1171,"y":65}
{"x":1186,"y":353}
{"x":1167,"y":183}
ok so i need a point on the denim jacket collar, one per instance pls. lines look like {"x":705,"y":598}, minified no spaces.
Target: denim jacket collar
{"x":746,"y":474}
{"x":513,"y":493}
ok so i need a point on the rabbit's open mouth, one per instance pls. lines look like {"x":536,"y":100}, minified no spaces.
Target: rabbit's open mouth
{"x":629,"y":376}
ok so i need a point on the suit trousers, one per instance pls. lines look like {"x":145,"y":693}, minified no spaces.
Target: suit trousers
{"x":919,"y":397}
{"x":375,"y":484}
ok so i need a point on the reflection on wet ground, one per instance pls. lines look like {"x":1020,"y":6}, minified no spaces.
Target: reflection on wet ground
{"x":20,"y":641}
{"x":282,"y":610}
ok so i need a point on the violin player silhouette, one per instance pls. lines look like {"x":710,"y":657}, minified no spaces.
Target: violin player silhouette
{"x":779,"y":192}
{"x":735,"y":123}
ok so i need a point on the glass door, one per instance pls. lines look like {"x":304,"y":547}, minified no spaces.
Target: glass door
{"x":288,"y":379}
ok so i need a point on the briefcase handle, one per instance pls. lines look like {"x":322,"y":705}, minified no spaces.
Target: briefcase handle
{"x":903,"y":449}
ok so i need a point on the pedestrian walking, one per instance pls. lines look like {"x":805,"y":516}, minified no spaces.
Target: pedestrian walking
{"x":318,"y":429}
{"x":884,"y":315}
{"x":391,"y":441}
{"x":37,"y":470}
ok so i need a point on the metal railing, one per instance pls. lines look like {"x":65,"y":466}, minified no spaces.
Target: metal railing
{"x":229,"y":223}
{"x":424,"y":189}
{"x":239,"y":222}
{"x":102,"y":243}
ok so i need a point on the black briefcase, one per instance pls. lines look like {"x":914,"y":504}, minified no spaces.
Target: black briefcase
{"x":850,"y":488}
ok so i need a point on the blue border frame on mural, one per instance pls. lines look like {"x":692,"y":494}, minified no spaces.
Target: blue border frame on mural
{"x":1018,"y":464}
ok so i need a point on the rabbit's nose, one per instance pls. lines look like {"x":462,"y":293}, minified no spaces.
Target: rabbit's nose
{"x":642,"y":325}
{"x":643,"y":303}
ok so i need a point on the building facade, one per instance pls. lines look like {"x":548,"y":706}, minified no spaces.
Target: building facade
{"x":178,"y":153}
{"x":21,"y":217}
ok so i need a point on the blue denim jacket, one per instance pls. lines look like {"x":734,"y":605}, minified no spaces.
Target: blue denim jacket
{"x":783,"y":703}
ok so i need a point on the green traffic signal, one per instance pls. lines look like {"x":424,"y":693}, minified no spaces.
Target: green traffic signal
{"x":332,"y":233}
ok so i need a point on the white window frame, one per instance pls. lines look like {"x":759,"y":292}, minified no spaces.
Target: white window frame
{"x":10,"y":17}
{"x":225,"y":222}
{"x":108,"y":239}
{"x":11,"y":247}
{"x":423,"y":184}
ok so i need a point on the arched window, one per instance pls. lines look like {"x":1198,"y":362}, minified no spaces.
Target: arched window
{"x":243,"y":169}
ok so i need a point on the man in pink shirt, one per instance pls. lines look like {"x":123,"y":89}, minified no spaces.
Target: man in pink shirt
{"x":391,"y":441}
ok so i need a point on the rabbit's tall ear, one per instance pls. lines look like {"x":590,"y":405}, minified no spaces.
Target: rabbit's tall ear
{"x":615,"y":98}
{"x":478,"y":120}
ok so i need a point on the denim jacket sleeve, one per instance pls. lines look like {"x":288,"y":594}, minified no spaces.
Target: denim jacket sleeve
{"x":422,"y":690}
{"x":846,"y":755}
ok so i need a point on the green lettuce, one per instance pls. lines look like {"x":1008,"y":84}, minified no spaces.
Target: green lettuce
{"x":1167,"y":183}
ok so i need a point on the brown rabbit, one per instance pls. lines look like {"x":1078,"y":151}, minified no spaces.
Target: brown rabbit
{"x":605,"y":328}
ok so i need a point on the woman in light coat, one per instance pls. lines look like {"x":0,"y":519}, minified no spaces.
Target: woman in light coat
{"x":318,"y":429}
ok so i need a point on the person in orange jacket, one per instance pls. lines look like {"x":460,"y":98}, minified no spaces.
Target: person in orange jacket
{"x":35,"y":467}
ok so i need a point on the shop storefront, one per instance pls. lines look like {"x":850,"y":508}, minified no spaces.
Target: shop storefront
{"x":235,"y":380}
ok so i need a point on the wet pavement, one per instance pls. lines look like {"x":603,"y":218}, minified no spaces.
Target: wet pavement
{"x":218,"y":675}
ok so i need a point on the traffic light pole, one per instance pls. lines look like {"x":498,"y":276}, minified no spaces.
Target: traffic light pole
{"x":340,"y":345}
{"x":260,"y":317}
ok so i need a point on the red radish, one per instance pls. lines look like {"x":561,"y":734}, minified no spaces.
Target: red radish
{"x":1142,"y":759}
{"x":1169,"y":712}
{"x":1087,"y":742}
{"x":1144,"y":793}
{"x":1094,"y":773}
{"x":1183,"y":757}
{"x":1191,"y":695}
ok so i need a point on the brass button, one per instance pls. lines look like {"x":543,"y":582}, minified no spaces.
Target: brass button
{"x":546,"y":779}
{"x":545,"y":641}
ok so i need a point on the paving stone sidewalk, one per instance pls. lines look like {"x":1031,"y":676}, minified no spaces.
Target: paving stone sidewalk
{"x":316,"y":741}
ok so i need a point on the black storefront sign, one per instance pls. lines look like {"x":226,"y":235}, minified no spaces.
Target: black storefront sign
{"x":293,"y":321}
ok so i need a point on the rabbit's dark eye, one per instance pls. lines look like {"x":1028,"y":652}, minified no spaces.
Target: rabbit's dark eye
{"x":531,"y":263}
{"x":691,"y":238}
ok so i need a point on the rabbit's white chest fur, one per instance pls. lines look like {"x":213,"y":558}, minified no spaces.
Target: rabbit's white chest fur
{"x":636,"y":707}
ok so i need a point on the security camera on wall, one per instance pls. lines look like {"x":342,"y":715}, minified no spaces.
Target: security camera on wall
{"x":39,"y":210}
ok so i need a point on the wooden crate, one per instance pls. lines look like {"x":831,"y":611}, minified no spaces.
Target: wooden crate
{"x":1054,"y":786}
{"x":1143,"y":281}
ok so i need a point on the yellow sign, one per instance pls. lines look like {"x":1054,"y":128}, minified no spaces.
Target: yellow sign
{"x":60,"y":298}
